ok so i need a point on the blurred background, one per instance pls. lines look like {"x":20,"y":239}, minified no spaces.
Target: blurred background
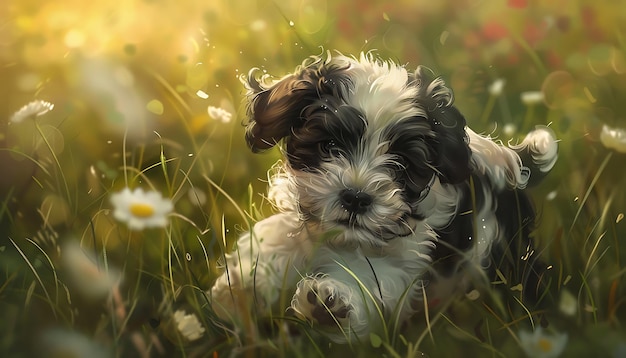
{"x":132,"y":82}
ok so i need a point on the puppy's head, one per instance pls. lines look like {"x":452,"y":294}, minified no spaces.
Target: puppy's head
{"x":364,"y":140}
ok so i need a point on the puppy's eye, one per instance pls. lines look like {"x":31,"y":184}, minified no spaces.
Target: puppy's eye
{"x":329,"y":148}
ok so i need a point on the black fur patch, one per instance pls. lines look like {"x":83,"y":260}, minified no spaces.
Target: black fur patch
{"x":329,"y":129}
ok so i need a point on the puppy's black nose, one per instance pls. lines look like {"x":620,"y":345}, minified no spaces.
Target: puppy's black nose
{"x":355,"y":201}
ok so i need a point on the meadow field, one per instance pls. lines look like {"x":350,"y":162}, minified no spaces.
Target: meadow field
{"x":108,"y":103}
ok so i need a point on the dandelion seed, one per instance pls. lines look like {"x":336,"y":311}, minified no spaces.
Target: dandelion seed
{"x":219,"y":114}
{"x":188,"y":325}
{"x":619,"y":218}
{"x":613,"y":138}
{"x":32,"y":110}
{"x":531,"y":98}
{"x":540,"y":345}
{"x":495,"y":89}
{"x":139,"y":209}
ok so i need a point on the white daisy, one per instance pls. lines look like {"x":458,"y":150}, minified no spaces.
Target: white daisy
{"x":495,"y":89}
{"x":532,"y":97}
{"x":33,"y":109}
{"x":540,"y":345}
{"x":188,"y":325}
{"x":220,"y":114}
{"x":139,"y":209}
{"x":84,"y":275}
{"x":613,"y":138}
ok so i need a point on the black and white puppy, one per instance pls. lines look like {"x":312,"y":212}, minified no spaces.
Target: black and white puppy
{"x":386,"y":200}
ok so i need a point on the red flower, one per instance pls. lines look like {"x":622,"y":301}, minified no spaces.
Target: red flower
{"x":494,"y":31}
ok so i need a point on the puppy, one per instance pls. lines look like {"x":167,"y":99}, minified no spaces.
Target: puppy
{"x":386,"y":201}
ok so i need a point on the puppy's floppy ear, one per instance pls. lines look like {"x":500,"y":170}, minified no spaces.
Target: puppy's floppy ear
{"x":275,"y":109}
{"x":450,"y":142}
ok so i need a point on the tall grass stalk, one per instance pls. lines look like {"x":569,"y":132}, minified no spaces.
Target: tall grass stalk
{"x":37,"y":277}
{"x":56,"y":161}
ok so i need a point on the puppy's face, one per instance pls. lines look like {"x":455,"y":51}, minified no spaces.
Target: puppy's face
{"x":364,"y":141}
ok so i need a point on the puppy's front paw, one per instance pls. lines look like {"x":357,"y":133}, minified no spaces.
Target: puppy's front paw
{"x":324,"y":301}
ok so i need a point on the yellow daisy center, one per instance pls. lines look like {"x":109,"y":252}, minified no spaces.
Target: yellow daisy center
{"x":545,"y":345}
{"x":141,"y":210}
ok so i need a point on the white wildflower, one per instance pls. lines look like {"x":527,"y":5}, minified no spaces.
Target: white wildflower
{"x":33,"y":109}
{"x":540,"y":345}
{"x":532,"y":97}
{"x":188,"y":325}
{"x":141,"y":209}
{"x":220,"y":114}
{"x":613,"y":138}
{"x":84,"y":275}
{"x":495,"y":89}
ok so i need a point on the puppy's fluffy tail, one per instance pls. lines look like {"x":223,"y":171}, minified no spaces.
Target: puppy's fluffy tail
{"x":538,"y":152}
